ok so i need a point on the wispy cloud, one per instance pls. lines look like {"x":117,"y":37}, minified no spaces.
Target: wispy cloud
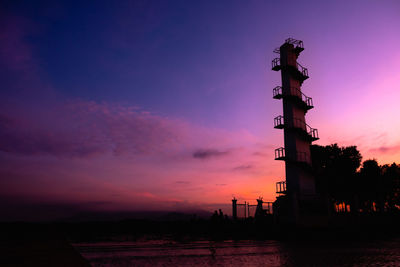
{"x":243,"y":167}
{"x":78,"y":128}
{"x":385,"y":149}
{"x":260,"y":154}
{"x":104,"y":153}
{"x":81,"y":129}
{"x":208,"y":153}
{"x":182,"y":182}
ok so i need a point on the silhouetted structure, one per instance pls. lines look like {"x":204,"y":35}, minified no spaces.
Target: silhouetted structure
{"x":260,"y":210}
{"x":234,"y":208}
{"x":326,"y":189}
{"x":299,"y":188}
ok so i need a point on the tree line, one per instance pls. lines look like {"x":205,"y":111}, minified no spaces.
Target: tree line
{"x":358,"y":186}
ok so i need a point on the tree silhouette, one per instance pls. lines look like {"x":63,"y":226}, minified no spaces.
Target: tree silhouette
{"x":373,"y":188}
{"x":391,"y":186}
{"x":370,"y":186}
{"x":336,"y":171}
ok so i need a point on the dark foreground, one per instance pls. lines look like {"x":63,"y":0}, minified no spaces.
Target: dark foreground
{"x":242,"y":253}
{"x":200,"y":242}
{"x":36,"y":245}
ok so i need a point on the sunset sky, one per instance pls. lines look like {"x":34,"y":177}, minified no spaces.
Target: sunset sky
{"x":167,"y":105}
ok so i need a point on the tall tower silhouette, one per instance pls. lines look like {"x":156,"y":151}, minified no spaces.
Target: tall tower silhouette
{"x":299,"y":186}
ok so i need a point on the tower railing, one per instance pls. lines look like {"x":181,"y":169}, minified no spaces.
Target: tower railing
{"x":280,"y":153}
{"x":298,"y":45}
{"x":312,"y":133}
{"x":296,"y":92}
{"x":300,"y":156}
{"x":276,"y":64}
{"x":308,"y":101}
{"x":302,"y":69}
{"x":277,"y":93}
{"x":280,"y":187}
{"x":279,"y":122}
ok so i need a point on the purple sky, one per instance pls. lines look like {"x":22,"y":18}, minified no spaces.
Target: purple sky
{"x":133,"y":105}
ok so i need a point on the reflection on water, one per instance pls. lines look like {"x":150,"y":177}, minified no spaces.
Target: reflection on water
{"x":241,"y":253}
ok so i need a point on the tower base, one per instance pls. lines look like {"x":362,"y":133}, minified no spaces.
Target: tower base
{"x":310,"y":211}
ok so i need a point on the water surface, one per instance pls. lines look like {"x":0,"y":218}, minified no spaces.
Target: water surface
{"x":241,"y":253}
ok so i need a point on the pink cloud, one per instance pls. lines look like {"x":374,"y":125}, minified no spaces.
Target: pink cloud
{"x":394,"y":149}
{"x":87,"y":129}
{"x":88,"y":152}
{"x":81,"y":129}
{"x":107,"y":156}
{"x":208,"y":153}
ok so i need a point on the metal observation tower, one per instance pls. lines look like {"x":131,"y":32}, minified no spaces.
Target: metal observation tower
{"x":299,"y":187}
